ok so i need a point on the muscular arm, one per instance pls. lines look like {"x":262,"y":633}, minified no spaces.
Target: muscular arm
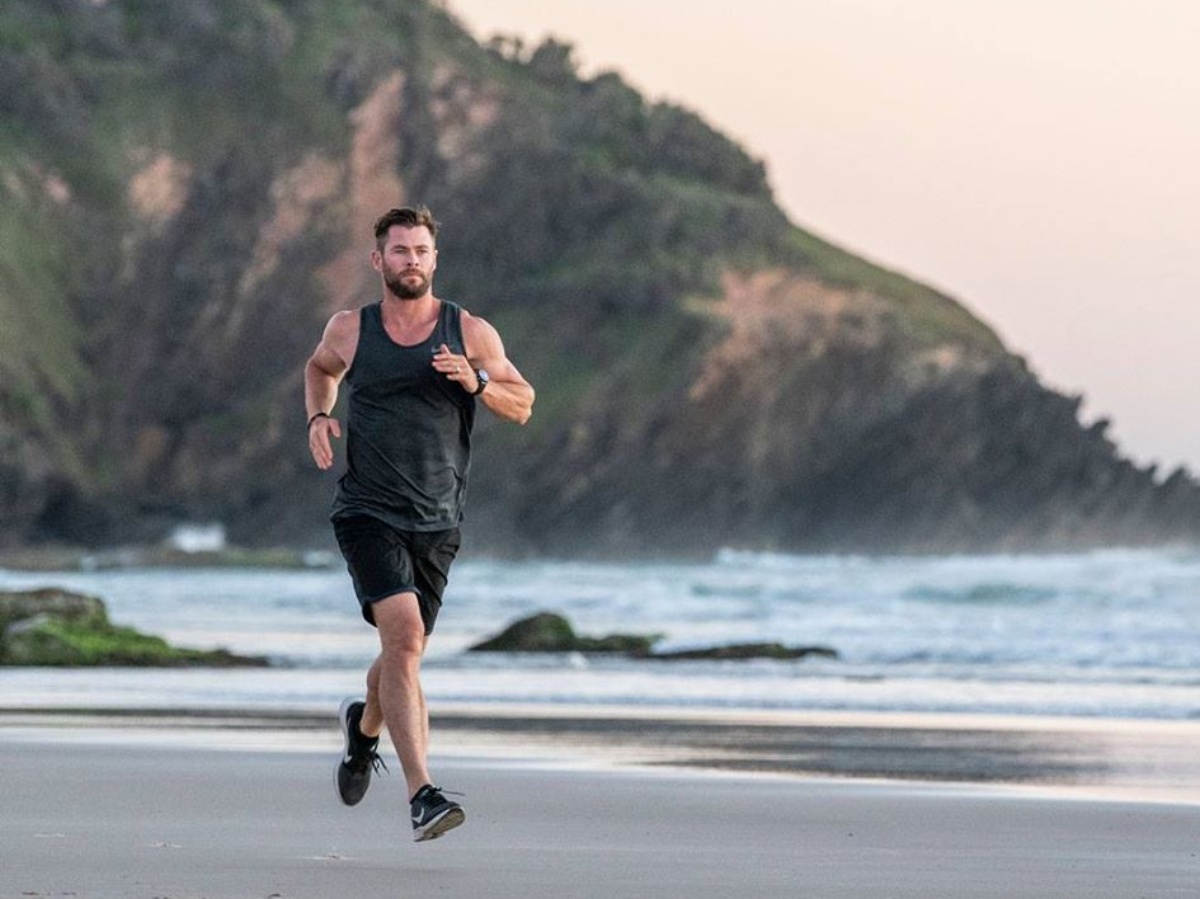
{"x":322,"y":374}
{"x":508,"y":394}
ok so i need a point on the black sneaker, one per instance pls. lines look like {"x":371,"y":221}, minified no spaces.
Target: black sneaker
{"x":433,"y":814}
{"x":359,"y":758}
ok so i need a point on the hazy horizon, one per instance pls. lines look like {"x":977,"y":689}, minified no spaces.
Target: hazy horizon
{"x":1034,"y":160}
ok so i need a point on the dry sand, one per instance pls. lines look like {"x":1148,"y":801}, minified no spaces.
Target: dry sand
{"x":186,"y":809}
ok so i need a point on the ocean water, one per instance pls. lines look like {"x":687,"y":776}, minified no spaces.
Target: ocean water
{"x":1109,"y":634}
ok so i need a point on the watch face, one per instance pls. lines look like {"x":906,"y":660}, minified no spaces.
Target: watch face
{"x":482,"y":376}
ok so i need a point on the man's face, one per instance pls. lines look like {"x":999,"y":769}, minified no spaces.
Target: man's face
{"x":407,"y":261}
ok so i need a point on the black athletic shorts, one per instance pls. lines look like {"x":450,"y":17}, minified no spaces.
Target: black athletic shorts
{"x":384,"y":561}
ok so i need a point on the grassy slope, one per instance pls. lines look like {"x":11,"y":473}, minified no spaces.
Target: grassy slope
{"x":932,"y":317}
{"x":269,"y":91}
{"x":631,"y":348}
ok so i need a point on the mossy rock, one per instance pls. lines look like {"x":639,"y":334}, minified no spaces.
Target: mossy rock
{"x":548,"y":632}
{"x":53,"y":627}
{"x":62,"y":604}
{"x":49,"y":641}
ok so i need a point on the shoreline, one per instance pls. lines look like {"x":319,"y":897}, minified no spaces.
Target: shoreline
{"x":97,"y":821}
{"x":1147,"y":760}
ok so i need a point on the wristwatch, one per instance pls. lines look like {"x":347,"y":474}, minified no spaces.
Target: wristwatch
{"x":481,"y":376}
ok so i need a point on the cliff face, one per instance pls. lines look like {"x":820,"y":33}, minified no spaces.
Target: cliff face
{"x":186,"y":194}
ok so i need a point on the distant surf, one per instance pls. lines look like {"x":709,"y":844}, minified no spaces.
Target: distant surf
{"x":1109,"y":634}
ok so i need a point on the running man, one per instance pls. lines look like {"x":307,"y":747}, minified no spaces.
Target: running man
{"x":416,"y":367}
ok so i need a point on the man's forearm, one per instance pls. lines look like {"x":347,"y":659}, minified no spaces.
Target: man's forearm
{"x":509,"y":400}
{"x":320,"y":390}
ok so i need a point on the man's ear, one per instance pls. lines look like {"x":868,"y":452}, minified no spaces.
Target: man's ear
{"x":377,"y":260}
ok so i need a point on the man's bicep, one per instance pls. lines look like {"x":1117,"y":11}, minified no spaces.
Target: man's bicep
{"x":506,"y":371}
{"x":330,"y":356}
{"x":488,"y":353}
{"x":328,"y":361}
{"x":499,"y":367}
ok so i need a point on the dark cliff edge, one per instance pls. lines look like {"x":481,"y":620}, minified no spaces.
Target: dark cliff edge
{"x":186,"y":194}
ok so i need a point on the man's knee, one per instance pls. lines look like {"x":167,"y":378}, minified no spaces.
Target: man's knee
{"x":401,"y":629}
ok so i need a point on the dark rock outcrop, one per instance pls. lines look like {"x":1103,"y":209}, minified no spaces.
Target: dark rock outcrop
{"x":548,"y":632}
{"x":740,"y":652}
{"x":57,"y":628}
{"x":52,"y":602}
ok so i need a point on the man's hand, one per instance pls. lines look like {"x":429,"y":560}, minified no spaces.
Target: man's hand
{"x":318,"y":440}
{"x":456,"y":368}
{"x":322,"y":374}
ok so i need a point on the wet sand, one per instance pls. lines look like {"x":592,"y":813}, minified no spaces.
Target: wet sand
{"x":605,"y":805}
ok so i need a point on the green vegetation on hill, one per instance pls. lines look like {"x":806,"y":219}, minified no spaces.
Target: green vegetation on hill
{"x":186,"y":192}
{"x":931,"y":317}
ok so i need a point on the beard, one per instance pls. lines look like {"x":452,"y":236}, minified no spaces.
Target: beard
{"x":413,"y":289}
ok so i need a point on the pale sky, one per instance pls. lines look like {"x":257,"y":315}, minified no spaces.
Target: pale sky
{"x":1038,"y":160}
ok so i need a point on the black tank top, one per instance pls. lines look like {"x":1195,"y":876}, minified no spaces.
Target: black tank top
{"x":408,"y":442}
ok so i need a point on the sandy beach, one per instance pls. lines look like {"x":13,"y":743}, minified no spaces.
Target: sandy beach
{"x":599,"y":805}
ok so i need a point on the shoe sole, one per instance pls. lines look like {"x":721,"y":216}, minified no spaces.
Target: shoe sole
{"x":343,"y":712}
{"x":447,"y":820}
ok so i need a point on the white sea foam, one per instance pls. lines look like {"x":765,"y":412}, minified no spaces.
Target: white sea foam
{"x":1112,"y":633}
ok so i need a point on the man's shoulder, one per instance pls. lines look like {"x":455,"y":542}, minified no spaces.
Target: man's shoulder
{"x":341,"y":334}
{"x":473,"y":322}
{"x":467,"y":321}
{"x":480,"y":337}
{"x":345,"y":319}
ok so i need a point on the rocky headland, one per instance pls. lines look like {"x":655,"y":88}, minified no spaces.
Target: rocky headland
{"x":186,"y":195}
